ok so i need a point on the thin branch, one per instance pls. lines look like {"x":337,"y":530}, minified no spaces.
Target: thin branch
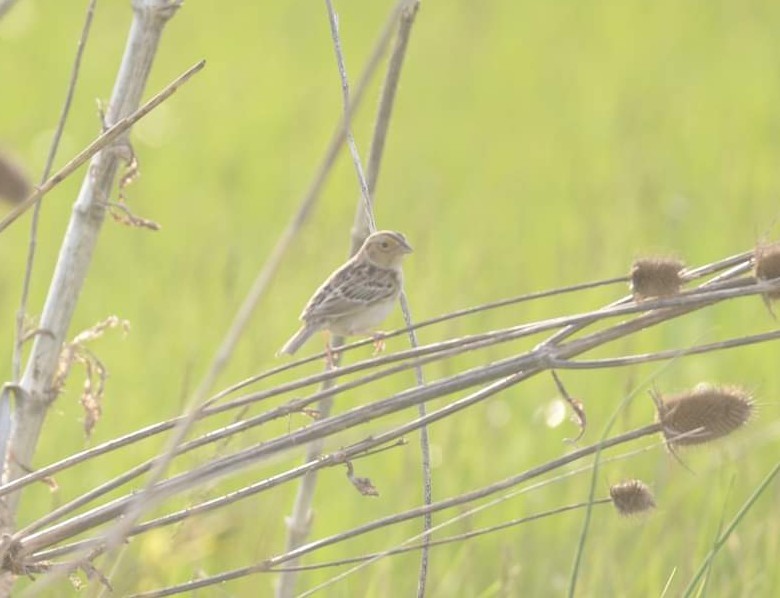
{"x":16,"y":359}
{"x":441,"y":541}
{"x":297,"y":405}
{"x":103,"y":140}
{"x":367,"y":222}
{"x":196,"y":403}
{"x":85,"y":224}
{"x":49,"y":350}
{"x":55,"y":143}
{"x":364,"y":192}
{"x":332,"y":460}
{"x":299,"y":521}
{"x":268,"y":271}
{"x":403,"y":516}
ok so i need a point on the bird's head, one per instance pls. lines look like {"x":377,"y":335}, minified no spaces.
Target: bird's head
{"x":385,"y":248}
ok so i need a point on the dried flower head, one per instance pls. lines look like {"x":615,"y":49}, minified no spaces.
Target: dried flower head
{"x":767,"y":260}
{"x":703,"y":414}
{"x":631,"y":497}
{"x":656,"y":277}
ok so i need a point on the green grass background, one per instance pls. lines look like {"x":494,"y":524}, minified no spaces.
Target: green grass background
{"x":534,"y":144}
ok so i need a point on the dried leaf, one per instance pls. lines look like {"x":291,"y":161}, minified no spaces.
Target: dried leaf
{"x":363,"y":485}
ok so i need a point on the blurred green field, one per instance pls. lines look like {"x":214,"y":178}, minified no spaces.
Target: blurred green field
{"x":533,"y":145}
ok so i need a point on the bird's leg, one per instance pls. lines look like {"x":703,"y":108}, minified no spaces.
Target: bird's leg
{"x":379,"y":342}
{"x":331,"y":355}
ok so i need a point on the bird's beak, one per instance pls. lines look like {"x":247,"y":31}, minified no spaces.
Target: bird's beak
{"x":407,"y":248}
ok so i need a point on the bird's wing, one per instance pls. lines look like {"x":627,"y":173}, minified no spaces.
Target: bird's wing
{"x":352,"y":287}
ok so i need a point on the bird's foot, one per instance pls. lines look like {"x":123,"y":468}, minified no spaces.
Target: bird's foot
{"x":379,"y":343}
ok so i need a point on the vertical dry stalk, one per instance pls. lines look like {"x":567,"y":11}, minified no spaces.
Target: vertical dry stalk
{"x":78,"y":246}
{"x":299,"y":522}
{"x":361,"y":229}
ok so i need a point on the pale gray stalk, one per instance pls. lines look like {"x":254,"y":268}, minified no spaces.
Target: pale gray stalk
{"x":197,"y":402}
{"x":361,"y":229}
{"x":109,"y":136}
{"x":440,"y":350}
{"x":81,"y":237}
{"x":299,"y":521}
{"x":405,"y":515}
{"x":34,"y":394}
{"x":16,"y":360}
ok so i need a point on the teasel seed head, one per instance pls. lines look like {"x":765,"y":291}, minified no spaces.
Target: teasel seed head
{"x":631,"y":497}
{"x":703,"y":414}
{"x":767,"y":266}
{"x":656,"y":277}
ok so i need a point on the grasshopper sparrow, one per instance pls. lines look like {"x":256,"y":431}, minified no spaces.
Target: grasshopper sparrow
{"x":359,"y":295}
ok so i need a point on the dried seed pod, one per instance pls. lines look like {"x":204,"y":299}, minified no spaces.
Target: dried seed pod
{"x":703,"y":414}
{"x":656,"y":277}
{"x":631,"y":497}
{"x":767,"y":260}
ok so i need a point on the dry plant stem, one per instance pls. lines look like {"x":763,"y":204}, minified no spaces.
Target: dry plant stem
{"x":216,"y":503}
{"x":299,"y":522}
{"x":207,"y":438}
{"x":296,"y":405}
{"x":108,"y":137}
{"x":362,"y":228}
{"x":533,"y":364}
{"x":136,"y":471}
{"x":220,"y":467}
{"x":257,"y":290}
{"x":16,"y":359}
{"x":442,"y":541}
{"x":267,"y":272}
{"x":83,"y":230}
{"x":442,"y":348}
{"x":368,"y":208}
{"x":404,"y":516}
{"x":284,"y":410}
{"x":55,"y":143}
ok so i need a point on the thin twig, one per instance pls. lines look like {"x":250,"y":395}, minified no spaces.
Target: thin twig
{"x":441,"y":541}
{"x":16,"y":359}
{"x":299,"y":218}
{"x":364,"y":192}
{"x":55,"y":143}
{"x":85,"y":225}
{"x":104,"y":139}
{"x":299,"y":521}
{"x":196,"y":403}
{"x":297,"y":405}
{"x":403,"y":516}
{"x":367,"y":223}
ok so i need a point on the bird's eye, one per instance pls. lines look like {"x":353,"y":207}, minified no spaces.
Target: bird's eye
{"x":384,"y":245}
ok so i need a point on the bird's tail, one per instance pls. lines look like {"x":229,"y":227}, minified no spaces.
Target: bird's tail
{"x":297,"y":339}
